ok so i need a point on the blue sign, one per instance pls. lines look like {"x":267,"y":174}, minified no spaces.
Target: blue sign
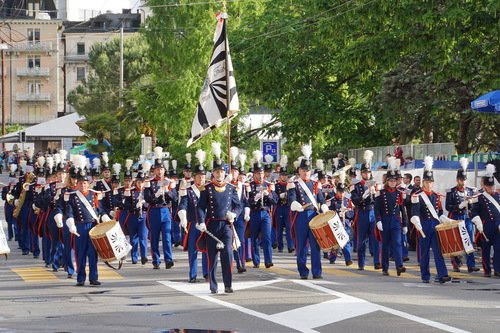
{"x":271,"y":147}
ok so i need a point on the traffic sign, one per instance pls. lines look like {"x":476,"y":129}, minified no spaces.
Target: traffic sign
{"x":271,"y":147}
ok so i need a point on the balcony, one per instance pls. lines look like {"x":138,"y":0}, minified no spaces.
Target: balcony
{"x":33,"y":72}
{"x":41,"y":97}
{"x":31,"y":47}
{"x":76,"y":58}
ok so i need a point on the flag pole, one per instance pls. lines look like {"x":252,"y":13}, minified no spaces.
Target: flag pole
{"x":228,"y":97}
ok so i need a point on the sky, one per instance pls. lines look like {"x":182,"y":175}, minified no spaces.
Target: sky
{"x":76,"y":7}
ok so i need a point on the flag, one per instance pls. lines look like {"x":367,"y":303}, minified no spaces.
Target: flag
{"x":218,"y":100}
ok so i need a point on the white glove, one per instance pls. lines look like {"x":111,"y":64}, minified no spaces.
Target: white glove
{"x":444,"y":219}
{"x":115,"y":191}
{"x":478,"y":223}
{"x":258,"y":196}
{"x":38,"y":189}
{"x":112,"y":213}
{"x":283,"y":195}
{"x":379,"y":226}
{"x":230,"y":216}
{"x":139,"y":204}
{"x":366,"y":194}
{"x":59,"y":220}
{"x":201,"y":227}
{"x":416,"y":222}
{"x":405,"y":230}
{"x":33,"y":206}
{"x":71,"y":226}
{"x":324,"y":208}
{"x":183,"y":217}
{"x":296,"y":207}
{"x":463,"y":204}
{"x":105,"y":218}
{"x":266,"y":193}
{"x":159,"y":193}
{"x":246,"y":216}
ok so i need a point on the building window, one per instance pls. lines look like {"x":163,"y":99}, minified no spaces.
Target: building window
{"x":34,"y":113}
{"x":99,"y":24}
{"x":80,"y":73}
{"x":80,"y":48}
{"x":34,"y":87}
{"x":33,"y":35}
{"x":34,"y":61}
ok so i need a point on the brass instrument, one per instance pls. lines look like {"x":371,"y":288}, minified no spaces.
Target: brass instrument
{"x":29,"y":178}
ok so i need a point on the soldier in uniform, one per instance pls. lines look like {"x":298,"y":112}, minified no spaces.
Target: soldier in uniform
{"x":105,"y":186}
{"x":176,"y":227}
{"x":159,"y":193}
{"x":388,"y":205}
{"x":261,"y":198}
{"x":343,"y":206}
{"x":8,"y":197}
{"x":135,"y":210}
{"x":306,"y":200}
{"x":362,"y":197}
{"x":217,"y":208}
{"x":486,"y":217}
{"x":426,"y":209}
{"x":189,"y":198}
{"x":458,"y":202}
{"x":282,"y":211}
{"x":82,"y":215}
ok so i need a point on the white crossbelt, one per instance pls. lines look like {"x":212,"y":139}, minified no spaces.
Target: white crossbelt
{"x":308,"y":193}
{"x":492,"y":200}
{"x":430,"y":207}
{"x":87,"y":205}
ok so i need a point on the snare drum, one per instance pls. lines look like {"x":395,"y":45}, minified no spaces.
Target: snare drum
{"x":109,"y":241}
{"x":329,"y":232}
{"x":454,"y":239}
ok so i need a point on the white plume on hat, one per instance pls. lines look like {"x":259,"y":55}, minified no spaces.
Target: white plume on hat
{"x":296,"y":163}
{"x":216,"y":150}
{"x":428,"y":162}
{"x":64,"y":155}
{"x":13,"y":167}
{"x":188,"y":158}
{"x":105,"y":158}
{"x":116,"y":168}
{"x":79,"y":162}
{"x":57,"y":158}
{"x":128,"y":163}
{"x":391,"y":163}
{"x":257,"y":156}
{"x":283,"y":161}
{"x":352,"y":162}
{"x":233,"y":153}
{"x":307,"y":151}
{"x":368,"y":156}
{"x":490,"y":170}
{"x":174,"y":164}
{"x":242,"y":158}
{"x":201,"y":156}
{"x":96,"y":162}
{"x":342,"y":176}
{"x":158,"y":151}
{"x":142,"y":158}
{"x":464,"y":162}
{"x":29,"y":152}
{"x":166,"y":164}
{"x":146,"y":166}
{"x":320,"y":165}
{"x":87,"y":161}
{"x":398,"y":163}
{"x":335,"y":162}
{"x":269,"y":159}
{"x":40,"y":161}
{"x":50,"y":163}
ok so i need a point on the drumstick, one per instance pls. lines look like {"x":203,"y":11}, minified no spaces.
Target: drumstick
{"x":484,"y":235}
{"x":422,"y":233}
{"x":306,"y":205}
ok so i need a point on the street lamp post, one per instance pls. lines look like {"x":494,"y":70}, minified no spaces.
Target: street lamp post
{"x":3,"y":47}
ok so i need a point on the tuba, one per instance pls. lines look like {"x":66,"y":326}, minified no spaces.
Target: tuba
{"x":27,"y":182}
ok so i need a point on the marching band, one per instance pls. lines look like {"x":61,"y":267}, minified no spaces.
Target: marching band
{"x":212,"y":214}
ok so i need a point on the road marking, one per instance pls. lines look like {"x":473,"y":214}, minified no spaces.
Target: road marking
{"x":305,"y":319}
{"x":35,"y":274}
{"x":106,"y":273}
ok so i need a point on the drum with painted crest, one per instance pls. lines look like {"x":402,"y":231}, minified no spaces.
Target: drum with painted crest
{"x":454,"y":240}
{"x":109,"y":241}
{"x":329,"y":231}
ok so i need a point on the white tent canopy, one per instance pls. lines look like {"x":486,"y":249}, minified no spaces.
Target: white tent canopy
{"x":53,"y":130}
